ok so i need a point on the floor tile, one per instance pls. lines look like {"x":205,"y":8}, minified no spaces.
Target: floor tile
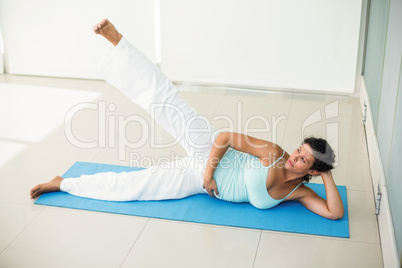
{"x":80,"y":145}
{"x":363,"y":223}
{"x":257,"y":114}
{"x":16,"y":195}
{"x":342,"y":137}
{"x":33,"y":151}
{"x":277,"y":250}
{"x":72,"y":238}
{"x":36,"y":111}
{"x":205,"y":100}
{"x":174,"y":244}
{"x":2,"y":246}
{"x":143,"y":157}
{"x":349,"y":170}
{"x":353,"y":171}
{"x":141,"y":143}
{"x":343,"y":109}
{"x":14,"y":218}
{"x":19,"y":175}
{"x":8,"y":150}
{"x":103,"y":113}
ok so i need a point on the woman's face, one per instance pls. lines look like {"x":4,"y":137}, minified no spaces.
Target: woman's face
{"x":301,"y":160}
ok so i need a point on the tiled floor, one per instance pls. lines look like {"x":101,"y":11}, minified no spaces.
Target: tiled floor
{"x":44,"y":127}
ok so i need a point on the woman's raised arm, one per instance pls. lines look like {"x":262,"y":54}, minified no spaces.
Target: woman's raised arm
{"x":332,"y":208}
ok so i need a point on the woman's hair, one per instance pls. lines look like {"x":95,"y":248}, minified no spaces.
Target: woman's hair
{"x":323,"y":154}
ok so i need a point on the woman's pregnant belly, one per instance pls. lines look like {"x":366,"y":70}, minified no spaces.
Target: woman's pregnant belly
{"x":229,"y":178}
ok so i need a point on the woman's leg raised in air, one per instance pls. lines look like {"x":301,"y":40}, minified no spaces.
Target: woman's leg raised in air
{"x":131,"y":72}
{"x":126,"y":68}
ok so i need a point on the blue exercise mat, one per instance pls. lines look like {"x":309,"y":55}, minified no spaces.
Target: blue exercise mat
{"x":286,"y":217}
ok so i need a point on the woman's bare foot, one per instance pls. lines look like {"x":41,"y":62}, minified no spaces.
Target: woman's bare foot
{"x":51,"y":186}
{"x":107,"y":30}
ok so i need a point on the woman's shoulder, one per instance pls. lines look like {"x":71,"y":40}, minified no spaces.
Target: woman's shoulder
{"x":273,"y":155}
{"x":302,"y":192}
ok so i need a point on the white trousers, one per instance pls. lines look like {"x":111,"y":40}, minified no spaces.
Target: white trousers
{"x":127,"y":69}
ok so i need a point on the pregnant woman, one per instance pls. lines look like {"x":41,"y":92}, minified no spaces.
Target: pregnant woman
{"x":229,"y":166}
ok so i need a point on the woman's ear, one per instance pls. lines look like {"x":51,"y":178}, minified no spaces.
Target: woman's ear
{"x":314,"y":172}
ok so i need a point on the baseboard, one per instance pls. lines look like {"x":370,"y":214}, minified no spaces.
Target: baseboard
{"x":259,"y":88}
{"x":386,"y":229}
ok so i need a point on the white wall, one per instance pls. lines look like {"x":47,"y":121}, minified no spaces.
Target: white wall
{"x":308,"y":45}
{"x":304,"y":45}
{"x":55,"y":37}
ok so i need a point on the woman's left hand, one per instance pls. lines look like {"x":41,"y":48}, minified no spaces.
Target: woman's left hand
{"x":211,"y":187}
{"x":326,"y":174}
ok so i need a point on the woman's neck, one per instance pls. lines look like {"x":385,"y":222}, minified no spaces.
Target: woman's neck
{"x":291,"y":176}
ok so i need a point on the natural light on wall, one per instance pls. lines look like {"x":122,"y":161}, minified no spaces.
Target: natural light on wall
{"x":287,"y":44}
{"x":282,"y":45}
{"x":60,"y":37}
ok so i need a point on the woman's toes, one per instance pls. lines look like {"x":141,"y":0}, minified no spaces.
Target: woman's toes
{"x":34,"y":191}
{"x":100,"y":24}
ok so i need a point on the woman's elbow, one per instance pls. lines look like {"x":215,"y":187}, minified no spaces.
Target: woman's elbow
{"x":222,"y":138}
{"x":224,"y":134}
{"x":336,"y":216}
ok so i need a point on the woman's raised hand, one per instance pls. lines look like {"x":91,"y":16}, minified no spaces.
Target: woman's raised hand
{"x":326,"y":174}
